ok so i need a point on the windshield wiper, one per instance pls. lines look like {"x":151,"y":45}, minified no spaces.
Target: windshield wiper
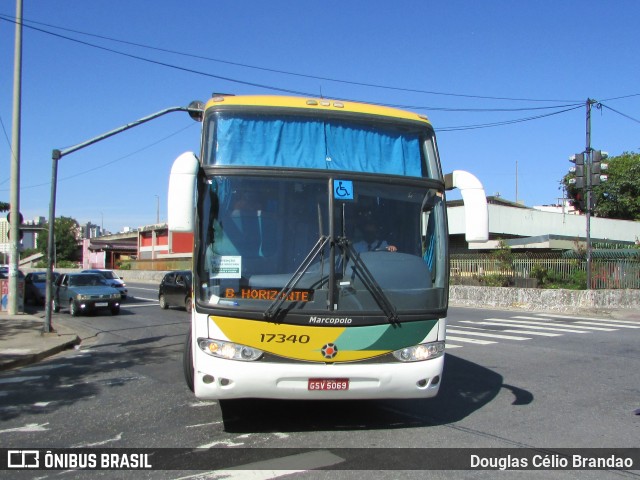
{"x":274,"y":309}
{"x":368,"y":280}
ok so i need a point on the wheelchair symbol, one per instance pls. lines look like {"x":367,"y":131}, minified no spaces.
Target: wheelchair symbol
{"x":344,"y":190}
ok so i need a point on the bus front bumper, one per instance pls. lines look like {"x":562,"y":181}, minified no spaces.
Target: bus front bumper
{"x":217,"y":378}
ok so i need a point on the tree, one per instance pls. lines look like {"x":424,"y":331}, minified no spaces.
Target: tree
{"x":4,"y":207}
{"x":619,"y":196}
{"x":67,"y":236}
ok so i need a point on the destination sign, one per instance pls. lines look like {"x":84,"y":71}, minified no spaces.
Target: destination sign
{"x":249,"y":293}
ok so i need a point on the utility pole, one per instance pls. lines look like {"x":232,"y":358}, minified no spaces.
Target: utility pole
{"x":587,"y":170}
{"x":15,"y":219}
{"x":588,"y":189}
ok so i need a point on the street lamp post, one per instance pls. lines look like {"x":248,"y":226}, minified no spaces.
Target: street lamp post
{"x":14,"y":202}
{"x":195,"y":110}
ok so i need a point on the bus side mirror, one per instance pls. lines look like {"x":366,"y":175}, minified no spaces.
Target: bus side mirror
{"x":475,"y":204}
{"x":182,"y":193}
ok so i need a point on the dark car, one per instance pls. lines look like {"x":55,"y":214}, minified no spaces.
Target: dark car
{"x":4,"y":273}
{"x":112,"y":279}
{"x":85,"y":292}
{"x":175,"y":290}
{"x":35,"y":286}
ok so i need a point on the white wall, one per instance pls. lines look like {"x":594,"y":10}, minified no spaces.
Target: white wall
{"x":526,"y":222}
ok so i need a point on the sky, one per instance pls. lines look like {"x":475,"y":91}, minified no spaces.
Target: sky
{"x":504,"y":83}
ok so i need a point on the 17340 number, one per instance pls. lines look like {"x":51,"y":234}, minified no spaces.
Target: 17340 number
{"x":282,"y":338}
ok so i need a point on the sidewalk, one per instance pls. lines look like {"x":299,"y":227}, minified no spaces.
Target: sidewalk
{"x":23,"y":342}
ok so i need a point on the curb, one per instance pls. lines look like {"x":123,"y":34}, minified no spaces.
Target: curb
{"x":32,"y":358}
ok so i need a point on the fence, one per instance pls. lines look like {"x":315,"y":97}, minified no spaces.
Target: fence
{"x":527,"y":270}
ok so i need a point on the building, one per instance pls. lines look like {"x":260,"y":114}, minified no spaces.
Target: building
{"x":525,"y":228}
{"x":30,"y":230}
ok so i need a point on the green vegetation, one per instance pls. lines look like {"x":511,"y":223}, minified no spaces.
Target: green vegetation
{"x":619,"y":196}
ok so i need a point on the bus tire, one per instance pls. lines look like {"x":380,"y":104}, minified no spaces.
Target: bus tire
{"x":187,"y":361}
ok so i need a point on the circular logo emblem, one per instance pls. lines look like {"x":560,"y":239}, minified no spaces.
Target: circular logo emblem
{"x":329,"y":350}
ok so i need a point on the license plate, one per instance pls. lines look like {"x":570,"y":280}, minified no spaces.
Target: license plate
{"x":328,"y":384}
{"x":102,"y":304}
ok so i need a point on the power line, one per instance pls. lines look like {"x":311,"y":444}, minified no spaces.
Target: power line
{"x":111,"y":162}
{"x":507,"y":122}
{"x":244,"y":65}
{"x":571,"y":106}
{"x":620,"y":113}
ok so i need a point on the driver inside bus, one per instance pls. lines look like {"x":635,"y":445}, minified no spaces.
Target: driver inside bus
{"x":371,"y":240}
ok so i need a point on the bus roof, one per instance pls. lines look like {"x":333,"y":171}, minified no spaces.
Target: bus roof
{"x":308,"y":103}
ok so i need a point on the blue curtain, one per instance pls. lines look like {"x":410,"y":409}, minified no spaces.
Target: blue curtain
{"x":304,"y":143}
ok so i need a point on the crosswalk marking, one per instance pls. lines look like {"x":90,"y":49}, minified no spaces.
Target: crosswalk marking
{"x":470,"y":340}
{"x":607,"y":324}
{"x":606,"y":320}
{"x":525,"y":327}
{"x":533,"y":321}
{"x":515,"y":324}
{"x":480,"y":334}
{"x":537,"y":334}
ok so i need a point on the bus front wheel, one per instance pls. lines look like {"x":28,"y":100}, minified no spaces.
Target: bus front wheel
{"x":187,"y":361}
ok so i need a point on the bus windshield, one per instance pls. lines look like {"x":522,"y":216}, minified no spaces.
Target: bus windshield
{"x":346,"y":245}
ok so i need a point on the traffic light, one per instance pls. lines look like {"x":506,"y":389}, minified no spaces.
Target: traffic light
{"x":20,"y":222}
{"x":597,"y":167}
{"x":578,"y":170}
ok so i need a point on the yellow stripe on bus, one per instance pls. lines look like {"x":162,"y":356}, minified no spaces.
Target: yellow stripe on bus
{"x":316,"y":344}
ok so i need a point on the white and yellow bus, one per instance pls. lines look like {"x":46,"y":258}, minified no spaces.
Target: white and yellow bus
{"x":320,"y":267}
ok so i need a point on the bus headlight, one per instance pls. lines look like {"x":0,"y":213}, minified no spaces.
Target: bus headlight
{"x":229,"y":350}
{"x":417,"y":353}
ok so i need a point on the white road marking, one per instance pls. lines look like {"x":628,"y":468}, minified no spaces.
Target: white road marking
{"x":204,"y":424}
{"x":607,"y":325}
{"x":528,"y":332}
{"x":28,"y":428}
{"x":273,"y":468}
{"x":503,"y":323}
{"x":139,"y":305}
{"x":117,"y":438}
{"x":564,"y":325}
{"x":482,"y":334}
{"x":606,"y":320}
{"x":221,"y":443}
{"x":469,"y":340}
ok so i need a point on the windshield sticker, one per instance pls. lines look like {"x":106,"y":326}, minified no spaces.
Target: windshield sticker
{"x":343,"y":190}
{"x":226,"y":267}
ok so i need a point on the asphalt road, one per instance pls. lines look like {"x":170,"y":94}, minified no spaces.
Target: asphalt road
{"x":512,"y":380}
